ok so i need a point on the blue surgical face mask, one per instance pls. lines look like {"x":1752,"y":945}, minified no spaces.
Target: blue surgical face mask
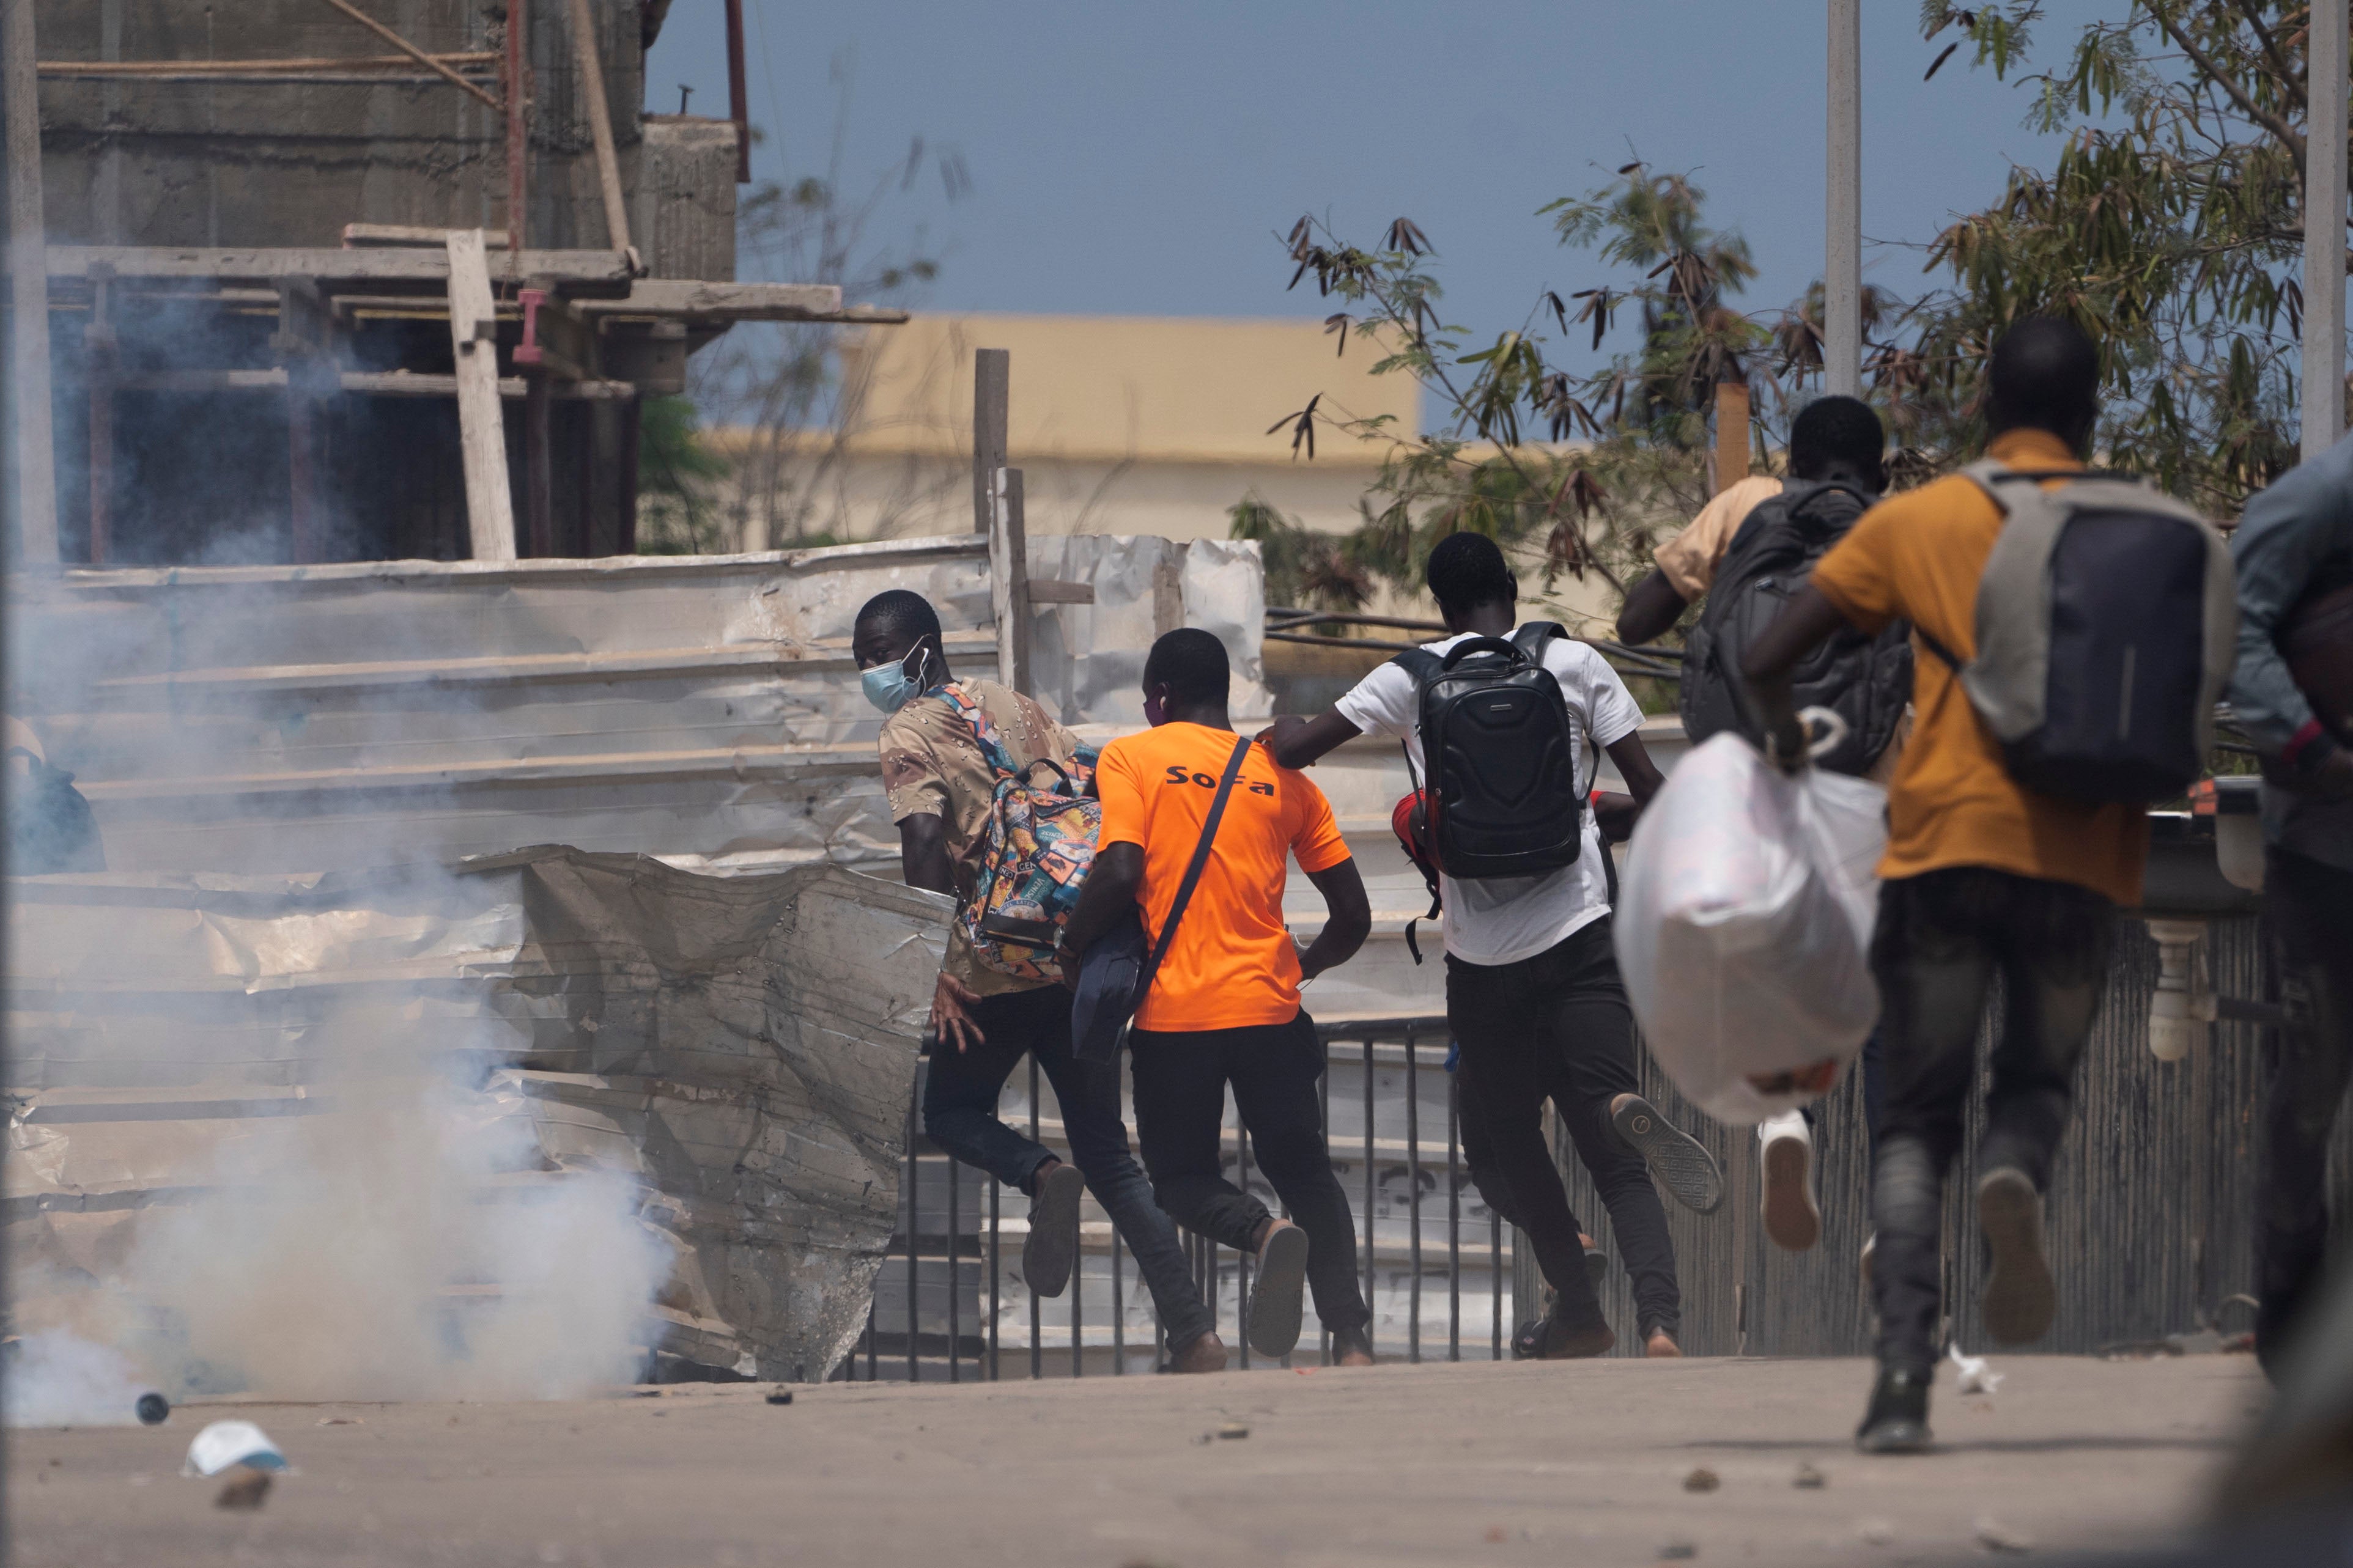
{"x":888,"y":686}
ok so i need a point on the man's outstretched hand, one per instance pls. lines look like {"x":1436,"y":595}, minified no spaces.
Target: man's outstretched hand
{"x":952,"y":1004}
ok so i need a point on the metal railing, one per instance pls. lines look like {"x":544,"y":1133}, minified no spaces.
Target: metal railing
{"x":953,"y":1221}
{"x":1287,"y":625}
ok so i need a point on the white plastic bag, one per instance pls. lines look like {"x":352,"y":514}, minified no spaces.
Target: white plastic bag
{"x":1743,"y":928}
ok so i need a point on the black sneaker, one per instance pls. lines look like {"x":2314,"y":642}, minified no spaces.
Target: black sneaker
{"x":1897,"y":1420}
{"x":1684,"y":1167}
{"x":1053,"y":1243}
{"x":1555,"y":1338}
{"x":2019,"y":1297}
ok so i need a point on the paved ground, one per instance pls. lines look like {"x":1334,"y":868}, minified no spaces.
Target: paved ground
{"x":1579,"y":1464}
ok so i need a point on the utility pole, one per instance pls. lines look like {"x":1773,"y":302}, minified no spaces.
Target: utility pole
{"x":2324,"y":231}
{"x":28,"y":277}
{"x":1842,"y":258}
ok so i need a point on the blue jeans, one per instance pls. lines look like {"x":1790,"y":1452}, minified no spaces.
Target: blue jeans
{"x":960,"y":1115}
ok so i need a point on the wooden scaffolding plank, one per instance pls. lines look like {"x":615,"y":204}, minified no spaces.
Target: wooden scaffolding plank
{"x":331,"y":264}
{"x":482,"y":427}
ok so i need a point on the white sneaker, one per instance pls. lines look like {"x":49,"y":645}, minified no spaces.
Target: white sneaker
{"x":1785,"y":1149}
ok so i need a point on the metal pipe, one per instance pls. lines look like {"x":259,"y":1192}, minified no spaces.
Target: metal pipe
{"x":518,"y":93}
{"x":996,"y":1255}
{"x":1118,"y":1312}
{"x":1323,"y":1098}
{"x":913,"y":1280}
{"x":955,"y":1323}
{"x":1842,"y":258}
{"x":1368,"y":1188}
{"x":1413,"y":1203}
{"x":1242,"y":1260}
{"x":99,"y":345}
{"x":2324,"y":231}
{"x":1453,"y":1220}
{"x":1495,"y":1283}
{"x":1036,"y":1352}
{"x":28,"y":280}
{"x":739,"y":108}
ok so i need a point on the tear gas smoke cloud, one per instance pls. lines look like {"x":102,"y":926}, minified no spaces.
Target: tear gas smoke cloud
{"x":401,"y":1234}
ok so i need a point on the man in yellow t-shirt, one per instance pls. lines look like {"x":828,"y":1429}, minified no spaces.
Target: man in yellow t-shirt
{"x":1224,"y":1008}
{"x":1980,"y":877}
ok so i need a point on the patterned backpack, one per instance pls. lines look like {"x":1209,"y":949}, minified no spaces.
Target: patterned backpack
{"x":1032,"y":859}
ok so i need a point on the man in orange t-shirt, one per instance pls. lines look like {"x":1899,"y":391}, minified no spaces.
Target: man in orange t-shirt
{"x":1224,"y":1008}
{"x":1981,"y":877}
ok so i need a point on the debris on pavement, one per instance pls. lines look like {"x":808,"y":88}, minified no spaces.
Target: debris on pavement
{"x":152,"y":1409}
{"x":245,"y":1488}
{"x":1809,"y":1479}
{"x":227,"y":1443}
{"x":1232,"y":1429}
{"x":1702,"y":1480}
{"x":782,"y":1396}
{"x":1971,"y":1375}
{"x":1996,"y":1536}
{"x":340,"y":1421}
{"x":1678,"y":1551}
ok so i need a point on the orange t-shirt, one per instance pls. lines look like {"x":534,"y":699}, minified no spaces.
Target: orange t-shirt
{"x":1917,"y":557}
{"x":1233,"y":964}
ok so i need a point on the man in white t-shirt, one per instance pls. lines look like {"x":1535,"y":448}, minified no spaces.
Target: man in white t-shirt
{"x":1533,"y":995}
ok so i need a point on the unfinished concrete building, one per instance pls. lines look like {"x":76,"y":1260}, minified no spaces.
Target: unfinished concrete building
{"x":264,"y":346}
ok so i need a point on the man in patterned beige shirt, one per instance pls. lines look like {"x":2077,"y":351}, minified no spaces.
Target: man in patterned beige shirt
{"x":942,"y":786}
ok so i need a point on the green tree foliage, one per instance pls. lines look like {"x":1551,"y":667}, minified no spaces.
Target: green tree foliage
{"x":1304,"y":567}
{"x":1501,"y":461}
{"x":676,"y":473}
{"x":2170,"y":228}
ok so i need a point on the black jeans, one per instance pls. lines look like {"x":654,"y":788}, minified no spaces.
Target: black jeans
{"x":960,"y":1115}
{"x":2312,"y":913}
{"x":1180,"y":1108}
{"x":1941,"y":938}
{"x":1557,"y":1027}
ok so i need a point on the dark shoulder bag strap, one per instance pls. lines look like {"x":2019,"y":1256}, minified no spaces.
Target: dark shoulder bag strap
{"x":1530,"y":639}
{"x":1201,"y":860}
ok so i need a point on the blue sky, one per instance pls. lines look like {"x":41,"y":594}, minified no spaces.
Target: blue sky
{"x":1143,"y":159}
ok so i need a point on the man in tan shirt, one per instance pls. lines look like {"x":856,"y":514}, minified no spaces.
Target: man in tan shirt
{"x":942,"y":782}
{"x":1835,"y":439}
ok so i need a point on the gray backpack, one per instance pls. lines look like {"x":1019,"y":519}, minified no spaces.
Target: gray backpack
{"x":2105,"y":622}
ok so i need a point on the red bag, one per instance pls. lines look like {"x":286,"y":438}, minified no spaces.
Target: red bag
{"x":1410,"y":823}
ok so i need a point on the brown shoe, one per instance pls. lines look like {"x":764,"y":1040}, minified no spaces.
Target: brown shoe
{"x":1274,"y":1303}
{"x":1207,"y":1354}
{"x":1662,"y":1344}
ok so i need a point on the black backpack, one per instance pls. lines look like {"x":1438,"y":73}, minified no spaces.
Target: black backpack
{"x":1504,"y":798}
{"x":50,"y":826}
{"x":1867,"y":680}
